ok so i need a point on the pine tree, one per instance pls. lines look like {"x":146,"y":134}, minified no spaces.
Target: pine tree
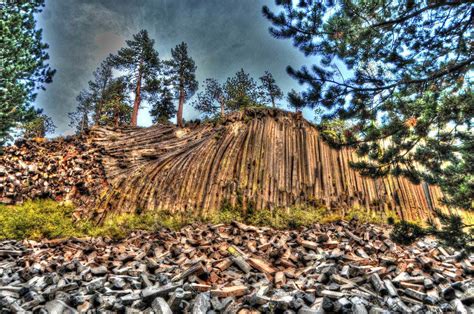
{"x":140,"y":60}
{"x":22,"y":62}
{"x":241,"y":91}
{"x":91,"y":100}
{"x":163,"y":108}
{"x":399,"y":71}
{"x":212,"y":100}
{"x":80,"y":119}
{"x":37,"y":126}
{"x":295,"y":100}
{"x":98,"y":88}
{"x":270,"y":92}
{"x":105,"y":101}
{"x":116,"y":110}
{"x":182,"y":72}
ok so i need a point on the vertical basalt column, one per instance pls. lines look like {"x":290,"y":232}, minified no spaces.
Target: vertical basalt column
{"x":261,"y":157}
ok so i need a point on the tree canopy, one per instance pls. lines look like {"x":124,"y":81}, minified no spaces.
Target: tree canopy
{"x":212,"y":100}
{"x":23,"y":64}
{"x":104,"y":103}
{"x":237,"y":92}
{"x":242,"y":91}
{"x":38,"y":125}
{"x":400,"y":72}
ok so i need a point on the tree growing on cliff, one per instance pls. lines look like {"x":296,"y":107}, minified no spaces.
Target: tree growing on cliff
{"x":141,"y":62}
{"x":163,"y":108}
{"x":399,"y":71}
{"x":38,"y":125}
{"x":182,"y":72}
{"x":98,"y":88}
{"x":269,"y":90}
{"x":116,"y":110}
{"x":295,"y":100}
{"x":23,"y":64}
{"x":212,"y":100}
{"x":241,"y":91}
{"x":91,"y":100}
{"x":104,"y":103}
{"x":80,"y":119}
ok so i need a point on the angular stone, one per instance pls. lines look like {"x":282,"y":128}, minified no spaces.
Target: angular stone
{"x":233,"y":291}
{"x":160,"y":306}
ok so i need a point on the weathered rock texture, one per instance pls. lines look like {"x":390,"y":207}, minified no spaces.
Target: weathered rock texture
{"x":64,"y":168}
{"x":343,"y":267}
{"x":263,"y":158}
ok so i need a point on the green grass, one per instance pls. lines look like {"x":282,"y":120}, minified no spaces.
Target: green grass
{"x":38,"y":219}
{"x":49,"y":219}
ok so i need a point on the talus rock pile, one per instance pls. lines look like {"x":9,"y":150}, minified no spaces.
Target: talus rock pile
{"x":343,"y":267}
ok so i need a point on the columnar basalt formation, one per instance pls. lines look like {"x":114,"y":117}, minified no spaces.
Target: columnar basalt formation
{"x":262,"y":158}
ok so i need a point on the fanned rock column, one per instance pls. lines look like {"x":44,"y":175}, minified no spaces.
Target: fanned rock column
{"x":264,"y":157}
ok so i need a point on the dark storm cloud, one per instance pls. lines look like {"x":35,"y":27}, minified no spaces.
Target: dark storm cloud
{"x":223,"y":36}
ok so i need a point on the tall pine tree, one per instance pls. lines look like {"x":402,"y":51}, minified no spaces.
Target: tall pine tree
{"x":400,"y":71}
{"x":182,"y":72}
{"x":141,"y":62}
{"x":23,"y":64}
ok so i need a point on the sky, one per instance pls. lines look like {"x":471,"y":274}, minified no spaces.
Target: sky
{"x":223,"y":36}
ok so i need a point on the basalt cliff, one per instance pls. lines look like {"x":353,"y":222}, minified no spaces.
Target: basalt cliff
{"x":262,"y":158}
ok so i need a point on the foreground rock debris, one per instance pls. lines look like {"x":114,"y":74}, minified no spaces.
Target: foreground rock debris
{"x":344,"y":267}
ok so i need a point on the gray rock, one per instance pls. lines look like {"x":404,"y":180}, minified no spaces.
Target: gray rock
{"x":160,"y":306}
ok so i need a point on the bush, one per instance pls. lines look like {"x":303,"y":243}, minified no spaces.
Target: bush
{"x":406,"y":233}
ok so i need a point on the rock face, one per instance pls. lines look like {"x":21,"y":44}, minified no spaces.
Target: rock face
{"x":262,"y":158}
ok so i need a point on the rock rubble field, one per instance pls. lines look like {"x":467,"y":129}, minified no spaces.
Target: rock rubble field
{"x":341,"y":267}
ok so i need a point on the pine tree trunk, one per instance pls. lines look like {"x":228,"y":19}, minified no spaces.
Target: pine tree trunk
{"x":83,"y":123}
{"x":97,"y":113}
{"x":116,"y":119}
{"x":180,"y":108}
{"x":273,"y":101}
{"x":222,"y":109}
{"x":136,"y":103}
